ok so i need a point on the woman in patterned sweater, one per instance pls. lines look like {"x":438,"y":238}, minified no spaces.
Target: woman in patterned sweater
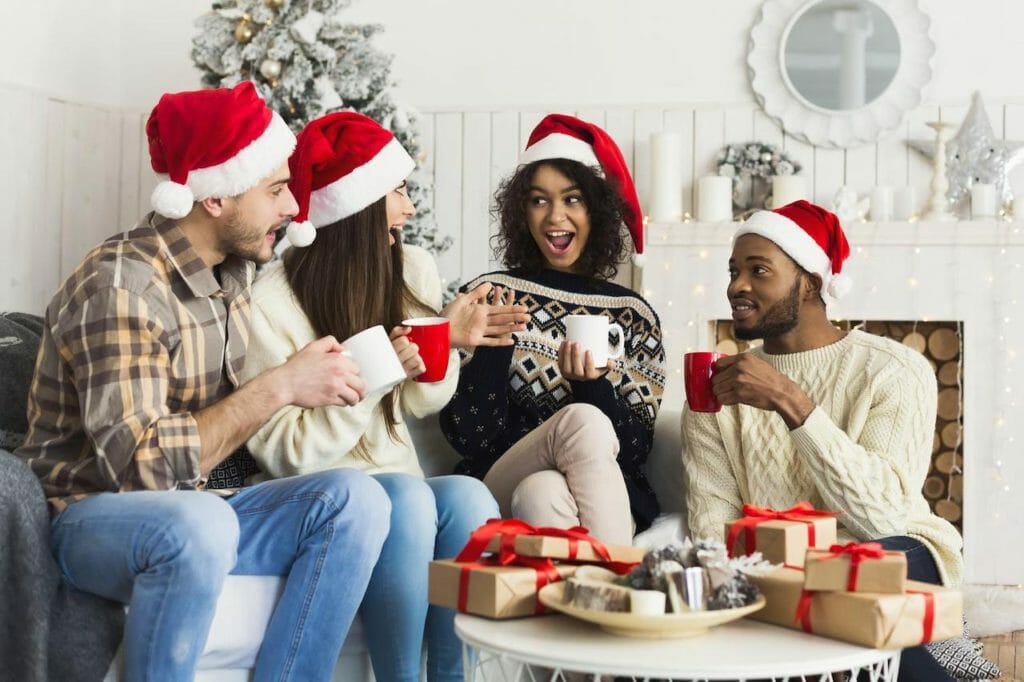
{"x":559,"y":441}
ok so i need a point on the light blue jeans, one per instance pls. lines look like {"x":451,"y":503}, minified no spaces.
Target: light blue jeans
{"x":166,"y":555}
{"x":430,"y":519}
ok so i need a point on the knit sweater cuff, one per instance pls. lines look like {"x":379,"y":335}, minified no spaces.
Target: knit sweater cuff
{"x":816,"y":428}
{"x":597,"y":392}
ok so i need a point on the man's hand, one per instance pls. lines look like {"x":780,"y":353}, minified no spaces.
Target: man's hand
{"x":321,"y":374}
{"x":575,"y":364}
{"x":476,"y":322}
{"x":747,"y":380}
{"x":408,"y":352}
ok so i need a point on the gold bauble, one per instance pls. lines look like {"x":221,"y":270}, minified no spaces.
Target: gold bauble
{"x":243,"y":32}
{"x":275,"y":4}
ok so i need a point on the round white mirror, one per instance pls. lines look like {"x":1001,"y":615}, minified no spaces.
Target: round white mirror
{"x":838,"y":73}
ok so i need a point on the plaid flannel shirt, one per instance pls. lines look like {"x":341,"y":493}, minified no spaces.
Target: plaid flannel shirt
{"x":141,"y":336}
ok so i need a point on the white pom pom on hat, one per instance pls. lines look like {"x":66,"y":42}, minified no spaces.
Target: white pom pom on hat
{"x":301,"y":233}
{"x":840,"y":286}
{"x":172,"y":199}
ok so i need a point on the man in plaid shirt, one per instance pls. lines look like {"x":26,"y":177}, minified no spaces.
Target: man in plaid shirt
{"x":136,"y":398}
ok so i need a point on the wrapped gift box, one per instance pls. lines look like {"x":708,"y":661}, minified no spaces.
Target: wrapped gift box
{"x":875,"y":570}
{"x":785,"y":541}
{"x":491,"y":591}
{"x":925,"y":613}
{"x":562,"y":548}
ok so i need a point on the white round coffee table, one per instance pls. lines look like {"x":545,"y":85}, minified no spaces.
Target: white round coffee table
{"x":744,"y":650}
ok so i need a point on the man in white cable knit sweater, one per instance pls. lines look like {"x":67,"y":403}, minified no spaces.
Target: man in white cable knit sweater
{"x":842,"y":419}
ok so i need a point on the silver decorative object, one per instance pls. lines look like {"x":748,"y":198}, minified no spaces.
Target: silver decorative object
{"x":973,"y":155}
{"x":696,"y":588}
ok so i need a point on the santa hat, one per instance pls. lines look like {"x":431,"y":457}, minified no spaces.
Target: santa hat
{"x":559,"y":136}
{"x":213,"y":143}
{"x":343,"y":162}
{"x":811,"y":236}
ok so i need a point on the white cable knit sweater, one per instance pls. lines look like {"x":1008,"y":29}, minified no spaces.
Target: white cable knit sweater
{"x":300,"y":440}
{"x":864,"y":451}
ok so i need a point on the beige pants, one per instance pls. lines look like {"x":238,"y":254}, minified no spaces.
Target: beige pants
{"x":564,"y":473}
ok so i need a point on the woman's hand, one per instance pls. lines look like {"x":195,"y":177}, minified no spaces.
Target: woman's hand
{"x":485,"y":316}
{"x":575,"y":364}
{"x":408,"y":352}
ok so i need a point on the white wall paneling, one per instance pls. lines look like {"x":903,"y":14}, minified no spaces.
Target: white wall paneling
{"x":78,"y":173}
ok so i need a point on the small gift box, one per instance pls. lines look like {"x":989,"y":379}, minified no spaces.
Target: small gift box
{"x":491,"y":590}
{"x":505,"y":583}
{"x":782,"y":537}
{"x":924,"y":613}
{"x":569,"y":544}
{"x":856,"y":567}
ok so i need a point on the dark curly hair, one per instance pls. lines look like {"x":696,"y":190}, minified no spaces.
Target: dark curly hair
{"x":604,"y":251}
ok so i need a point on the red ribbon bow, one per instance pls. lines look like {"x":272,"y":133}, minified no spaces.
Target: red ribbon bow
{"x":510,"y":529}
{"x":754,"y":516}
{"x":858,"y":552}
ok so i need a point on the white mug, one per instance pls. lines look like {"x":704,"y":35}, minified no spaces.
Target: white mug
{"x":591,"y":332}
{"x":379,"y":365}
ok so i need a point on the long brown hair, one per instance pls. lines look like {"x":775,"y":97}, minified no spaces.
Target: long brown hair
{"x":350,"y":279}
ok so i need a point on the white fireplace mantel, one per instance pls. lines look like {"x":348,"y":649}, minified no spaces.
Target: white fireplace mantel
{"x":971,"y":272}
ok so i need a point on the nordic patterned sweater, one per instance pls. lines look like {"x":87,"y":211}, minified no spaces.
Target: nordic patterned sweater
{"x":504,"y":393}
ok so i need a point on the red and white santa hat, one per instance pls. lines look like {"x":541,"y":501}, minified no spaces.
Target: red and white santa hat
{"x":213,"y":143}
{"x":559,"y":136}
{"x":811,"y":236}
{"x":343,"y":162}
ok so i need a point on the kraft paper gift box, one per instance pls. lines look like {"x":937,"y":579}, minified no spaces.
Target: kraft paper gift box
{"x":561,"y":548}
{"x":925,"y":613}
{"x":856,"y":568}
{"x":488,"y":590}
{"x":784,"y":541}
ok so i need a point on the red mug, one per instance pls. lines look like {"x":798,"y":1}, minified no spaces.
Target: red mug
{"x":431,"y":335}
{"x":698,"y":368}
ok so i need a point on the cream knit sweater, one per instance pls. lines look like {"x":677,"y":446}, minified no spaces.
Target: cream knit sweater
{"x":300,"y":440}
{"x":864,"y":451}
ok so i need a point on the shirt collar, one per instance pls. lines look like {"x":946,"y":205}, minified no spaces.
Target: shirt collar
{"x":236,"y":272}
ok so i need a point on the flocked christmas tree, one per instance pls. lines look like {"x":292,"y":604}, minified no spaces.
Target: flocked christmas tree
{"x":307,"y":61}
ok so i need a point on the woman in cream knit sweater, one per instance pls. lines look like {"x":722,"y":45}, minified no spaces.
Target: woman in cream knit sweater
{"x":347,"y":272}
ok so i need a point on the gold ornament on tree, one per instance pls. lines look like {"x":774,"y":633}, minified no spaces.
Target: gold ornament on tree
{"x":275,"y":4}
{"x":243,"y":31}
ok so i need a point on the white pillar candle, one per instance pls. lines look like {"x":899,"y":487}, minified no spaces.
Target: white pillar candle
{"x":714,"y":199}
{"x":881,"y":204}
{"x":666,"y":203}
{"x":983,"y":200}
{"x":786,"y":189}
{"x":647,"y":602}
{"x":904,"y":203}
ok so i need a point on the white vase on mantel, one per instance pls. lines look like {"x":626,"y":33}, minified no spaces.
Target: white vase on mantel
{"x":938,"y":205}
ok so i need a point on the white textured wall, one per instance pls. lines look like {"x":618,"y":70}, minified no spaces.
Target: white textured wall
{"x":68,"y":48}
{"x":461,"y":54}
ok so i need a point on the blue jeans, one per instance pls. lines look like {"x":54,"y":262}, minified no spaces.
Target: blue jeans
{"x":916,"y":663}
{"x":166,"y":555}
{"x":430,"y":519}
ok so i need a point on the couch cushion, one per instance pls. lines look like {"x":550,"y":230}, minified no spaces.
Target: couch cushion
{"x":243,"y":613}
{"x":19,"y":343}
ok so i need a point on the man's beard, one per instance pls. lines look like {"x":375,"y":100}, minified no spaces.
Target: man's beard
{"x":239,"y":239}
{"x":779,"y":319}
